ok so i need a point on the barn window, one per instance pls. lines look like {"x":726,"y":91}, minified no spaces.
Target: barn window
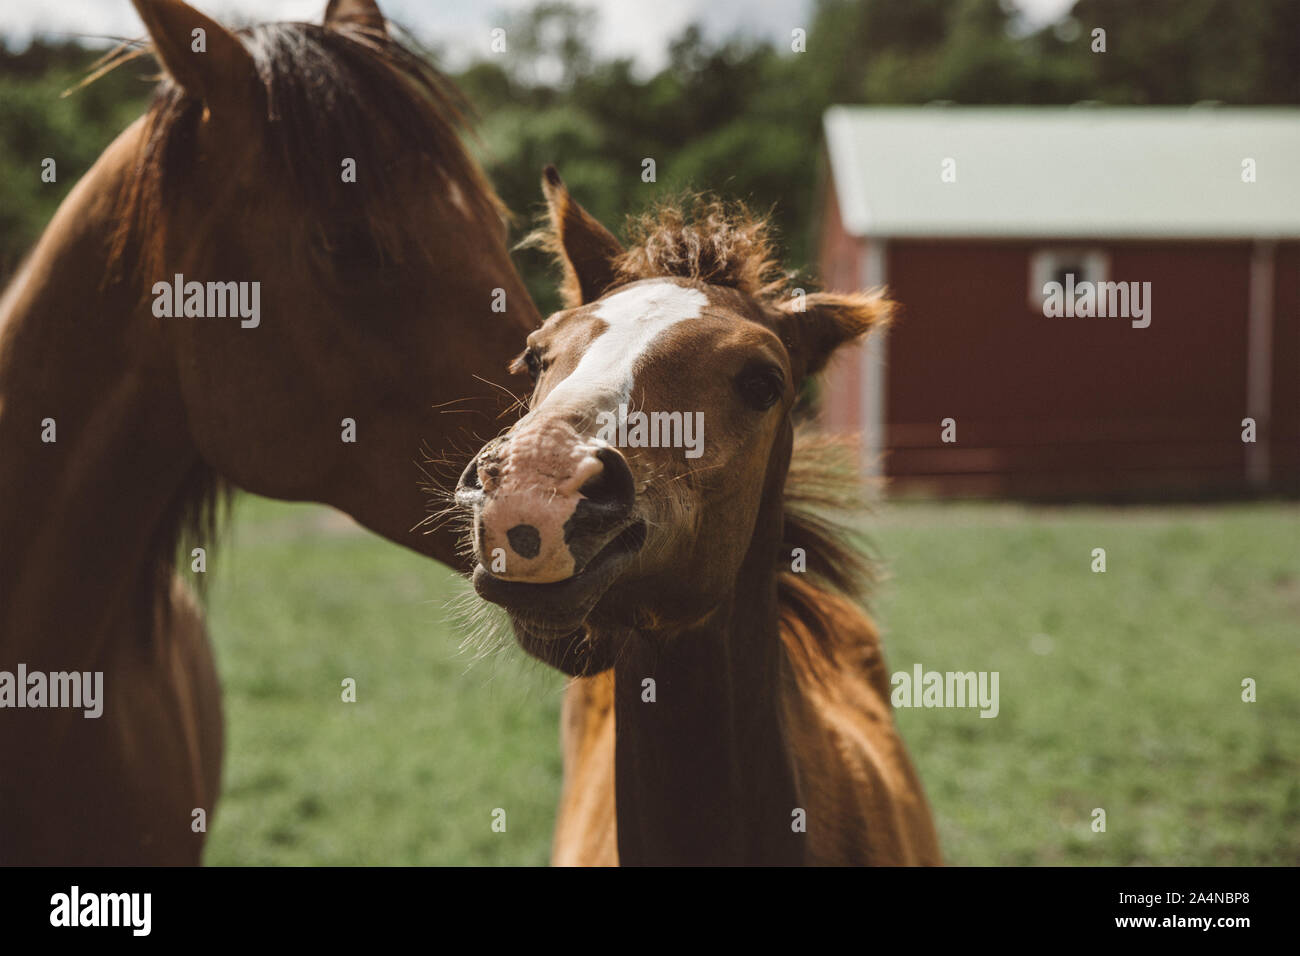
{"x":1056,"y":263}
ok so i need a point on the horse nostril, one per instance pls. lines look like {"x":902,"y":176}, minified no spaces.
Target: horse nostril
{"x":525,"y":540}
{"x":469,"y":477}
{"x":483,"y":471}
{"x":613,"y":487}
{"x":469,"y":491}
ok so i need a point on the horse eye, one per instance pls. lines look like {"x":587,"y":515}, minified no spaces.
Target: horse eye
{"x":761,"y":386}
{"x":529,"y":362}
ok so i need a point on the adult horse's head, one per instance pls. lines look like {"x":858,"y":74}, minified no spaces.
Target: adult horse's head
{"x":651,"y":463}
{"x":315,"y":172}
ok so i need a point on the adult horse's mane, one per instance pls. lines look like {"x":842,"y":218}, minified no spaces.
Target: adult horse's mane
{"x":326,"y":92}
{"x":823,"y":626}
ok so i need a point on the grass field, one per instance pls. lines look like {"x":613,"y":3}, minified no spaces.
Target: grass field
{"x":1119,"y":690}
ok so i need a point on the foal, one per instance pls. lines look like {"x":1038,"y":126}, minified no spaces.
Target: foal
{"x":748,"y":719}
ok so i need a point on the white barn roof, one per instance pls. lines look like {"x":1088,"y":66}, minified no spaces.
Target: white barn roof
{"x":1080,"y":171}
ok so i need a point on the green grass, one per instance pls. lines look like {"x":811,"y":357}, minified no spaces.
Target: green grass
{"x":411,"y":773}
{"x":1119,"y":690}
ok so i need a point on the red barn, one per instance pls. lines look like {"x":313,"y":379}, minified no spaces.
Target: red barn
{"x":1094,"y":300}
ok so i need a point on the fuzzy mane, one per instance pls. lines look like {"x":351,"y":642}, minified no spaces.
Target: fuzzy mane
{"x":705,"y":238}
{"x":823,"y":624}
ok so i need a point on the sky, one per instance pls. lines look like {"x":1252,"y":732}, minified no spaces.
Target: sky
{"x":459,"y":29}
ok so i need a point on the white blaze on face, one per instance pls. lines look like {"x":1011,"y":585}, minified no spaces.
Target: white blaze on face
{"x":548,"y":461}
{"x":635,"y":318}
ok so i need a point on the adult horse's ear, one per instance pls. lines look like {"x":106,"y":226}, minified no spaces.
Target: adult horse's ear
{"x":586,"y":249}
{"x":362,"y":13}
{"x":815,"y":325}
{"x":205,"y":59}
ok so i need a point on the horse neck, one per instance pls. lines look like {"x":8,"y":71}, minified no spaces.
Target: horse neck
{"x":79,"y":516}
{"x":703,"y":774}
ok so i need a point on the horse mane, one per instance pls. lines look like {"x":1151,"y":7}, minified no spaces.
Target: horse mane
{"x":823,"y":625}
{"x":326,"y":91}
{"x":705,"y":238}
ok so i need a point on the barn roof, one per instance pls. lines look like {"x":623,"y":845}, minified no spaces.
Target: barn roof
{"x":1080,"y":171}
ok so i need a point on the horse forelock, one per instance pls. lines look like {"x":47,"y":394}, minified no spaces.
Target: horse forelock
{"x":705,"y":238}
{"x":327,"y":93}
{"x":691,"y":236}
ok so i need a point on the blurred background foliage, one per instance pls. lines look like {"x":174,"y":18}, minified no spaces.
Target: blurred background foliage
{"x":740,"y":116}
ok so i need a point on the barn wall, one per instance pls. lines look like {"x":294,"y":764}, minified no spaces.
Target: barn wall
{"x":1285,"y":447}
{"x":1068,"y":406}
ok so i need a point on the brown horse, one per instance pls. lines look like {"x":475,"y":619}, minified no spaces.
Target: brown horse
{"x":731,"y":707}
{"x":343,"y":270}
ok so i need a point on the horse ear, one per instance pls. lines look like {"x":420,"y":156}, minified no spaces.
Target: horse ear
{"x":816,"y":325}
{"x":205,"y":59}
{"x":586,"y":249}
{"x":362,"y":13}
